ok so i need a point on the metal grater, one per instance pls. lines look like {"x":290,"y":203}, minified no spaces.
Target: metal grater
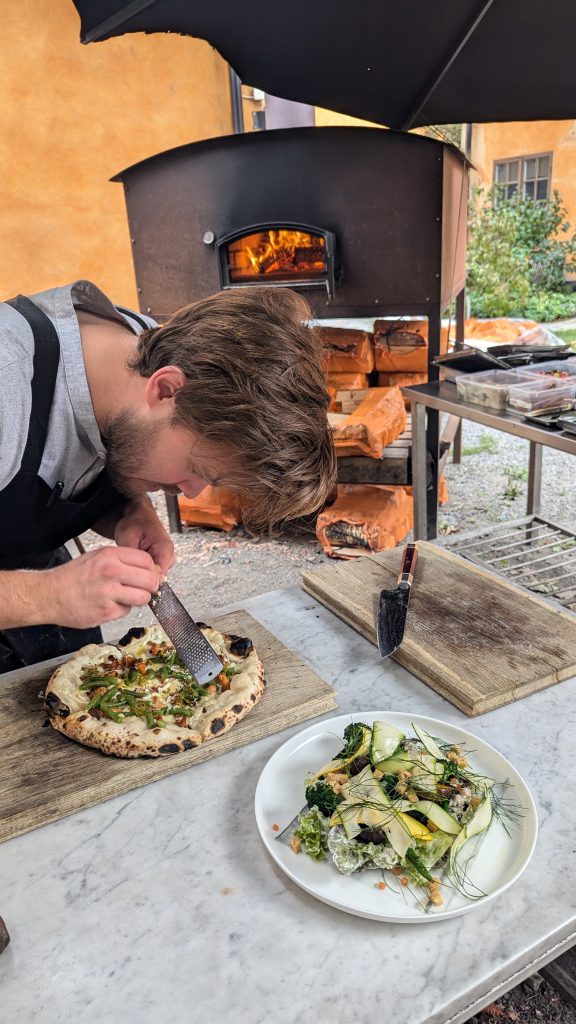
{"x":189,"y":641}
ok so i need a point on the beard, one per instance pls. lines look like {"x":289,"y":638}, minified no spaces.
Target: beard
{"x":128,"y":441}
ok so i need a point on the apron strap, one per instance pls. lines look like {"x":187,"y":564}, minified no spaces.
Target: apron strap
{"x":138,"y":319}
{"x":46,"y":360}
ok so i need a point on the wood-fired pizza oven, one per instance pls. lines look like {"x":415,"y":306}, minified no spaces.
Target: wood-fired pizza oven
{"x":364,"y":222}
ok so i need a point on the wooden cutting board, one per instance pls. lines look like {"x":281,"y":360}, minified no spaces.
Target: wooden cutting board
{"x":476,"y":639}
{"x":45,"y":776}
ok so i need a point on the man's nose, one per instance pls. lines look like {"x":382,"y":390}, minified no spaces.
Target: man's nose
{"x":192,"y":488}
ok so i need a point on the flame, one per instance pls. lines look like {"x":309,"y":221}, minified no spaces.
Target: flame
{"x":282,"y":251}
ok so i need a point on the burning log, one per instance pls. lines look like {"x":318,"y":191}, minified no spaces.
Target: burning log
{"x":283,"y":252}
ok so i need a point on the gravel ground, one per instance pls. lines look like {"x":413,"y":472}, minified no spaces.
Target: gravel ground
{"x":532,"y":1002}
{"x":489,"y":486}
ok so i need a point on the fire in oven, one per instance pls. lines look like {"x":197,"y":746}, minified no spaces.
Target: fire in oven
{"x":283,"y":255}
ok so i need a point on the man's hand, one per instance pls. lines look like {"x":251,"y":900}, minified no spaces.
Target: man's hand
{"x":98,"y":587}
{"x":87,"y":591}
{"x":95,"y":588}
{"x":140,"y":528}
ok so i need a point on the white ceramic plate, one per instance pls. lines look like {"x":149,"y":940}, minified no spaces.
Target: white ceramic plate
{"x":499,"y":859}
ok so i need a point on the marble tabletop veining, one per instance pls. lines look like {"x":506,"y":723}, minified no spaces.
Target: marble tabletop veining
{"x":163,"y":904}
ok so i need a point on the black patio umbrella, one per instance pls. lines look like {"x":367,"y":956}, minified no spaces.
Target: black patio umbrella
{"x":402,"y":63}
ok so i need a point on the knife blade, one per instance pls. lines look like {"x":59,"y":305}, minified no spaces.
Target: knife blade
{"x":188,"y":639}
{"x":393,"y":606}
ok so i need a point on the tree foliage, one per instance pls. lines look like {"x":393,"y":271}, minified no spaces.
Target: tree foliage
{"x":518,"y":255}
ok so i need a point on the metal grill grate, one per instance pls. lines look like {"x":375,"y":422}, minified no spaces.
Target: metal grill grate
{"x":534,"y":553}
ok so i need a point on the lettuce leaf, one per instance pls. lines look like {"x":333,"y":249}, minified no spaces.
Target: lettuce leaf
{"x":312,"y":831}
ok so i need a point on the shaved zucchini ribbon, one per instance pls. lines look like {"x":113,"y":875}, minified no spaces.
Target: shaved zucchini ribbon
{"x":364,"y":800}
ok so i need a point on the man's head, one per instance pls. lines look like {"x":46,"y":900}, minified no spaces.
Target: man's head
{"x":235,"y":396}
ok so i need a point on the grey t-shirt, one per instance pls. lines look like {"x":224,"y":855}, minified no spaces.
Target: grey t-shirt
{"x":74,"y":452}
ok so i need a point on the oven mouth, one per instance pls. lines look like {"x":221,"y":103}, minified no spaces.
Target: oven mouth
{"x":279,"y":255}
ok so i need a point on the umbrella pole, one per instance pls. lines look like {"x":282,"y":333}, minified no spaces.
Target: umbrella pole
{"x":236,"y":99}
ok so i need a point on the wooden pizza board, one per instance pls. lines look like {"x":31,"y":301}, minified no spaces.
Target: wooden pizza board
{"x":45,"y":776}
{"x":478,"y":640}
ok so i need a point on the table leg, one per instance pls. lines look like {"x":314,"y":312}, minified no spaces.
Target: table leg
{"x":457,"y":446}
{"x":419,"y":473}
{"x":534,"y":484}
{"x":173,"y":510}
{"x":432,"y":453}
{"x":534,"y":479}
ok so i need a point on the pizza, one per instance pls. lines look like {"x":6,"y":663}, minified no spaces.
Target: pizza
{"x":138,"y":699}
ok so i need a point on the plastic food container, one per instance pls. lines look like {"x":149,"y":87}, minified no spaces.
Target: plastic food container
{"x":544,"y":393}
{"x":559,"y":369}
{"x":490,"y":388}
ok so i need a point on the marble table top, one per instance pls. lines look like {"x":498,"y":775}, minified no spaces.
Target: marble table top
{"x":163,"y":904}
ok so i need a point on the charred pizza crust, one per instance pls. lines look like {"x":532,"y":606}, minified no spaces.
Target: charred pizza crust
{"x":67,"y":704}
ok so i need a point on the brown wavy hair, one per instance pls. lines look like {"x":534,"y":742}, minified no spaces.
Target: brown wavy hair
{"x":255,"y":383}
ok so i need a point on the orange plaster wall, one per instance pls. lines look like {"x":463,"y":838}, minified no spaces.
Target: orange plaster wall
{"x":330,"y":118}
{"x":71,"y":116}
{"x":492,"y":142}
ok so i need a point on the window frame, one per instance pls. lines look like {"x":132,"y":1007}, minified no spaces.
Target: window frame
{"x":522,"y":160}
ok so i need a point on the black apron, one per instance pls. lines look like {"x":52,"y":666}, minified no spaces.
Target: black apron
{"x":35,"y":521}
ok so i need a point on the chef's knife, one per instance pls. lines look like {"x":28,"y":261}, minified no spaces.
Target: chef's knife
{"x":393,"y":605}
{"x":189,"y":641}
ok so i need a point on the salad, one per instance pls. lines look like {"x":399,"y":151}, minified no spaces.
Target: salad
{"x":406,"y":805}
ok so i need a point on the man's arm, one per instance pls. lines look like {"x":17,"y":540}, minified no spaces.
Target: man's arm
{"x":23,"y":599}
{"x":95,"y":588}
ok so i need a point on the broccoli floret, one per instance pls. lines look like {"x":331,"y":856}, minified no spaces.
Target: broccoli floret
{"x":353,"y":734}
{"x":322,"y":796}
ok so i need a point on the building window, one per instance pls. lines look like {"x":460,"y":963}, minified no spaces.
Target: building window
{"x":528,"y":176}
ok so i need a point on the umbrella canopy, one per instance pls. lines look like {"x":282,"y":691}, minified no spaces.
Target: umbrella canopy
{"x":402,"y":63}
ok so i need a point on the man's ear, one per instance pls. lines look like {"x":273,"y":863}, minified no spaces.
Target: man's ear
{"x":163,"y":385}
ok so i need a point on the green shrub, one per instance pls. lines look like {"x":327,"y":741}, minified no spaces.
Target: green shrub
{"x":544,"y":306}
{"x":518,"y":255}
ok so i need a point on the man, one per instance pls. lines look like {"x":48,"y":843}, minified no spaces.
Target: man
{"x":99,"y":406}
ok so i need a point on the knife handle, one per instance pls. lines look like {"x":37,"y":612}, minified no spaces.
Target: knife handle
{"x":406,"y":576}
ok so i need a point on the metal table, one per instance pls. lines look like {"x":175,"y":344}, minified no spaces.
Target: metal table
{"x":442,"y":397}
{"x":163,"y":902}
